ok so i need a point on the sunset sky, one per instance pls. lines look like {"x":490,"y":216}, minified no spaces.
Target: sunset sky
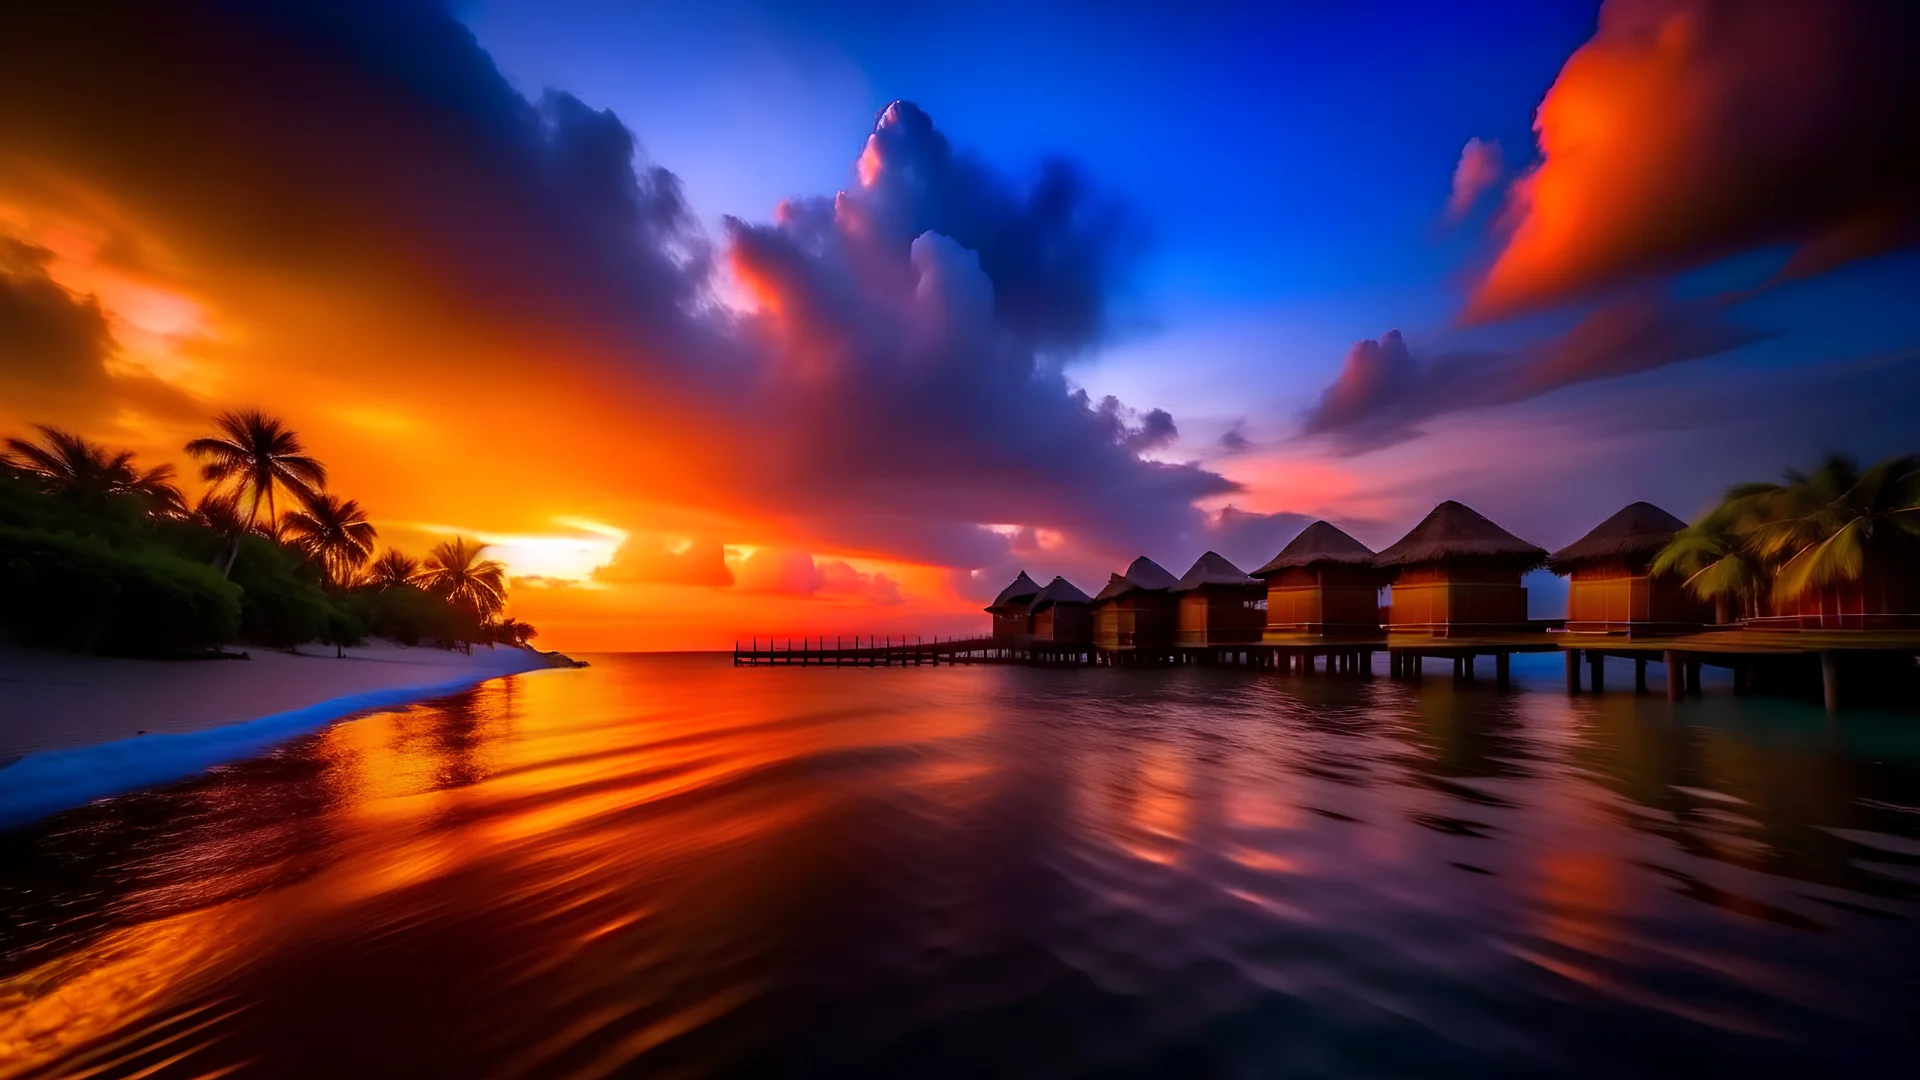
{"x":725,"y":319}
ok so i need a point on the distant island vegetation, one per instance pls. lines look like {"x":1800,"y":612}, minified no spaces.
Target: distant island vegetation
{"x":101,"y":555}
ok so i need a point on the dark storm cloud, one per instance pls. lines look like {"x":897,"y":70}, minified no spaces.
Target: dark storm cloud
{"x":1383,"y":393}
{"x":54,"y":346}
{"x":898,"y":387}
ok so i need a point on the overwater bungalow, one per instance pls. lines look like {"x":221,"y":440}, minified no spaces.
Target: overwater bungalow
{"x":1458,"y":574}
{"x":1886,"y":596}
{"x":1322,"y":584}
{"x":1610,"y":589}
{"x":1218,"y":604}
{"x":1060,"y":614}
{"x":1011,"y":623}
{"x":1136,"y":609}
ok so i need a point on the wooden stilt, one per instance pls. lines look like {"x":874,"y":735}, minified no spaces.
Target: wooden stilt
{"x":1640,"y":675}
{"x":1830,"y":679}
{"x":1597,"y":661}
{"x":1573,"y":671}
{"x":1503,"y":670}
{"x":1676,"y":684}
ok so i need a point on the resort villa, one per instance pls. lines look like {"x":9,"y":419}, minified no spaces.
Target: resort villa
{"x":1136,"y":610}
{"x":1610,"y":588}
{"x":1060,"y":615}
{"x":1218,"y":604}
{"x":1323,"y":584}
{"x":1458,"y":573}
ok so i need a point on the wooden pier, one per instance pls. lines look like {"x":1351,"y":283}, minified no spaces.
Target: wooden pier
{"x":1835,"y":665}
{"x":1405,"y":656}
{"x":1839,"y":664}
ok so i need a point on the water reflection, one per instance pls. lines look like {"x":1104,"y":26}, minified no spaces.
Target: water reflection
{"x":667,"y":866}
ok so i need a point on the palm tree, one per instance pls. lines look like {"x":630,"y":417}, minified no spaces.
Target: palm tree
{"x":455,"y":572}
{"x":253,"y":456}
{"x":1715,"y":555}
{"x":64,"y":463}
{"x":333,"y":532}
{"x":1841,"y":520}
{"x":393,"y":567}
{"x":508,"y":630}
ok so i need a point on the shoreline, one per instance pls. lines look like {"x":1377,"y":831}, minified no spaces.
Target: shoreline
{"x":64,"y":727}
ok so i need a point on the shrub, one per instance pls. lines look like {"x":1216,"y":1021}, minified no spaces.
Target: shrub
{"x":281,"y":605}
{"x":60,"y":590}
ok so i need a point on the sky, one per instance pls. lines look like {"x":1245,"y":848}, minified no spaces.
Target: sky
{"x":738,"y":319}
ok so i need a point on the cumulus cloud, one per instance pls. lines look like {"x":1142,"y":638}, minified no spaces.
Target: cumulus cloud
{"x":896,"y":383}
{"x":1687,"y":130}
{"x":1383,"y":393}
{"x":796,"y":573}
{"x":1480,"y":168}
{"x":658,"y":560}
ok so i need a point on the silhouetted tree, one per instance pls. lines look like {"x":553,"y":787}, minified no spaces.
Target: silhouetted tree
{"x":333,"y":532}
{"x":455,"y":572}
{"x":253,"y":456}
{"x":63,"y":463}
{"x":392,"y":568}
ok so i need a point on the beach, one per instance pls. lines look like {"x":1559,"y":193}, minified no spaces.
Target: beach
{"x":55,"y":701}
{"x":77,"y":728}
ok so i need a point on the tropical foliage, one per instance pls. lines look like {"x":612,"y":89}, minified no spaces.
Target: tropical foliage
{"x":65,"y":464}
{"x":98,"y":554}
{"x":1774,"y":543}
{"x":455,"y":572}
{"x":252,"y":457}
{"x":334,"y":533}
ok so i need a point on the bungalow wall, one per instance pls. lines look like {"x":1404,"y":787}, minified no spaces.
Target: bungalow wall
{"x":1135,"y":621}
{"x":1323,"y":600}
{"x":1880,"y":600}
{"x":1011,"y":625}
{"x":1617,"y":597}
{"x":1221,"y":615}
{"x":1064,"y":624}
{"x":1444,"y":598}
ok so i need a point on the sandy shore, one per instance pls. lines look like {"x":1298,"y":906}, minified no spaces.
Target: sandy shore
{"x":50,"y":700}
{"x":74,"y":728}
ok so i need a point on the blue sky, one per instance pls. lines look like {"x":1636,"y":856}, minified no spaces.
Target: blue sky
{"x":1290,"y":160}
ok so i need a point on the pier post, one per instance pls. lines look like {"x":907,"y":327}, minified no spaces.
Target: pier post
{"x":1675,"y":676}
{"x":1466,"y":664}
{"x":1597,"y":661}
{"x":1640,"y":675}
{"x":1573,"y":671}
{"x":1503,"y":670}
{"x":1830,"y":679}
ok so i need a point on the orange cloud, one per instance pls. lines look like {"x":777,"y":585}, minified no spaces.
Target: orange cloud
{"x":1688,"y":130}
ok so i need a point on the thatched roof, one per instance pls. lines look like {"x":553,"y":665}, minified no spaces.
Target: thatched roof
{"x":1211,"y":569}
{"x":1148,"y":574}
{"x":1143,"y":575}
{"x":1453,"y":532}
{"x":1117,"y":585}
{"x":1318,"y":543}
{"x":1058,"y":591}
{"x":1639,"y":529}
{"x":1021,"y":588}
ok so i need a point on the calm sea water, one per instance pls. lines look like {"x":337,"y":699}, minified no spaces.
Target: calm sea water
{"x":663,"y":866}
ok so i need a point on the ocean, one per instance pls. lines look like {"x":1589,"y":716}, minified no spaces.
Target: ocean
{"x":662,"y":865}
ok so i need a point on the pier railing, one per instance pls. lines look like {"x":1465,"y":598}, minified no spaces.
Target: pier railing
{"x":875,"y":651}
